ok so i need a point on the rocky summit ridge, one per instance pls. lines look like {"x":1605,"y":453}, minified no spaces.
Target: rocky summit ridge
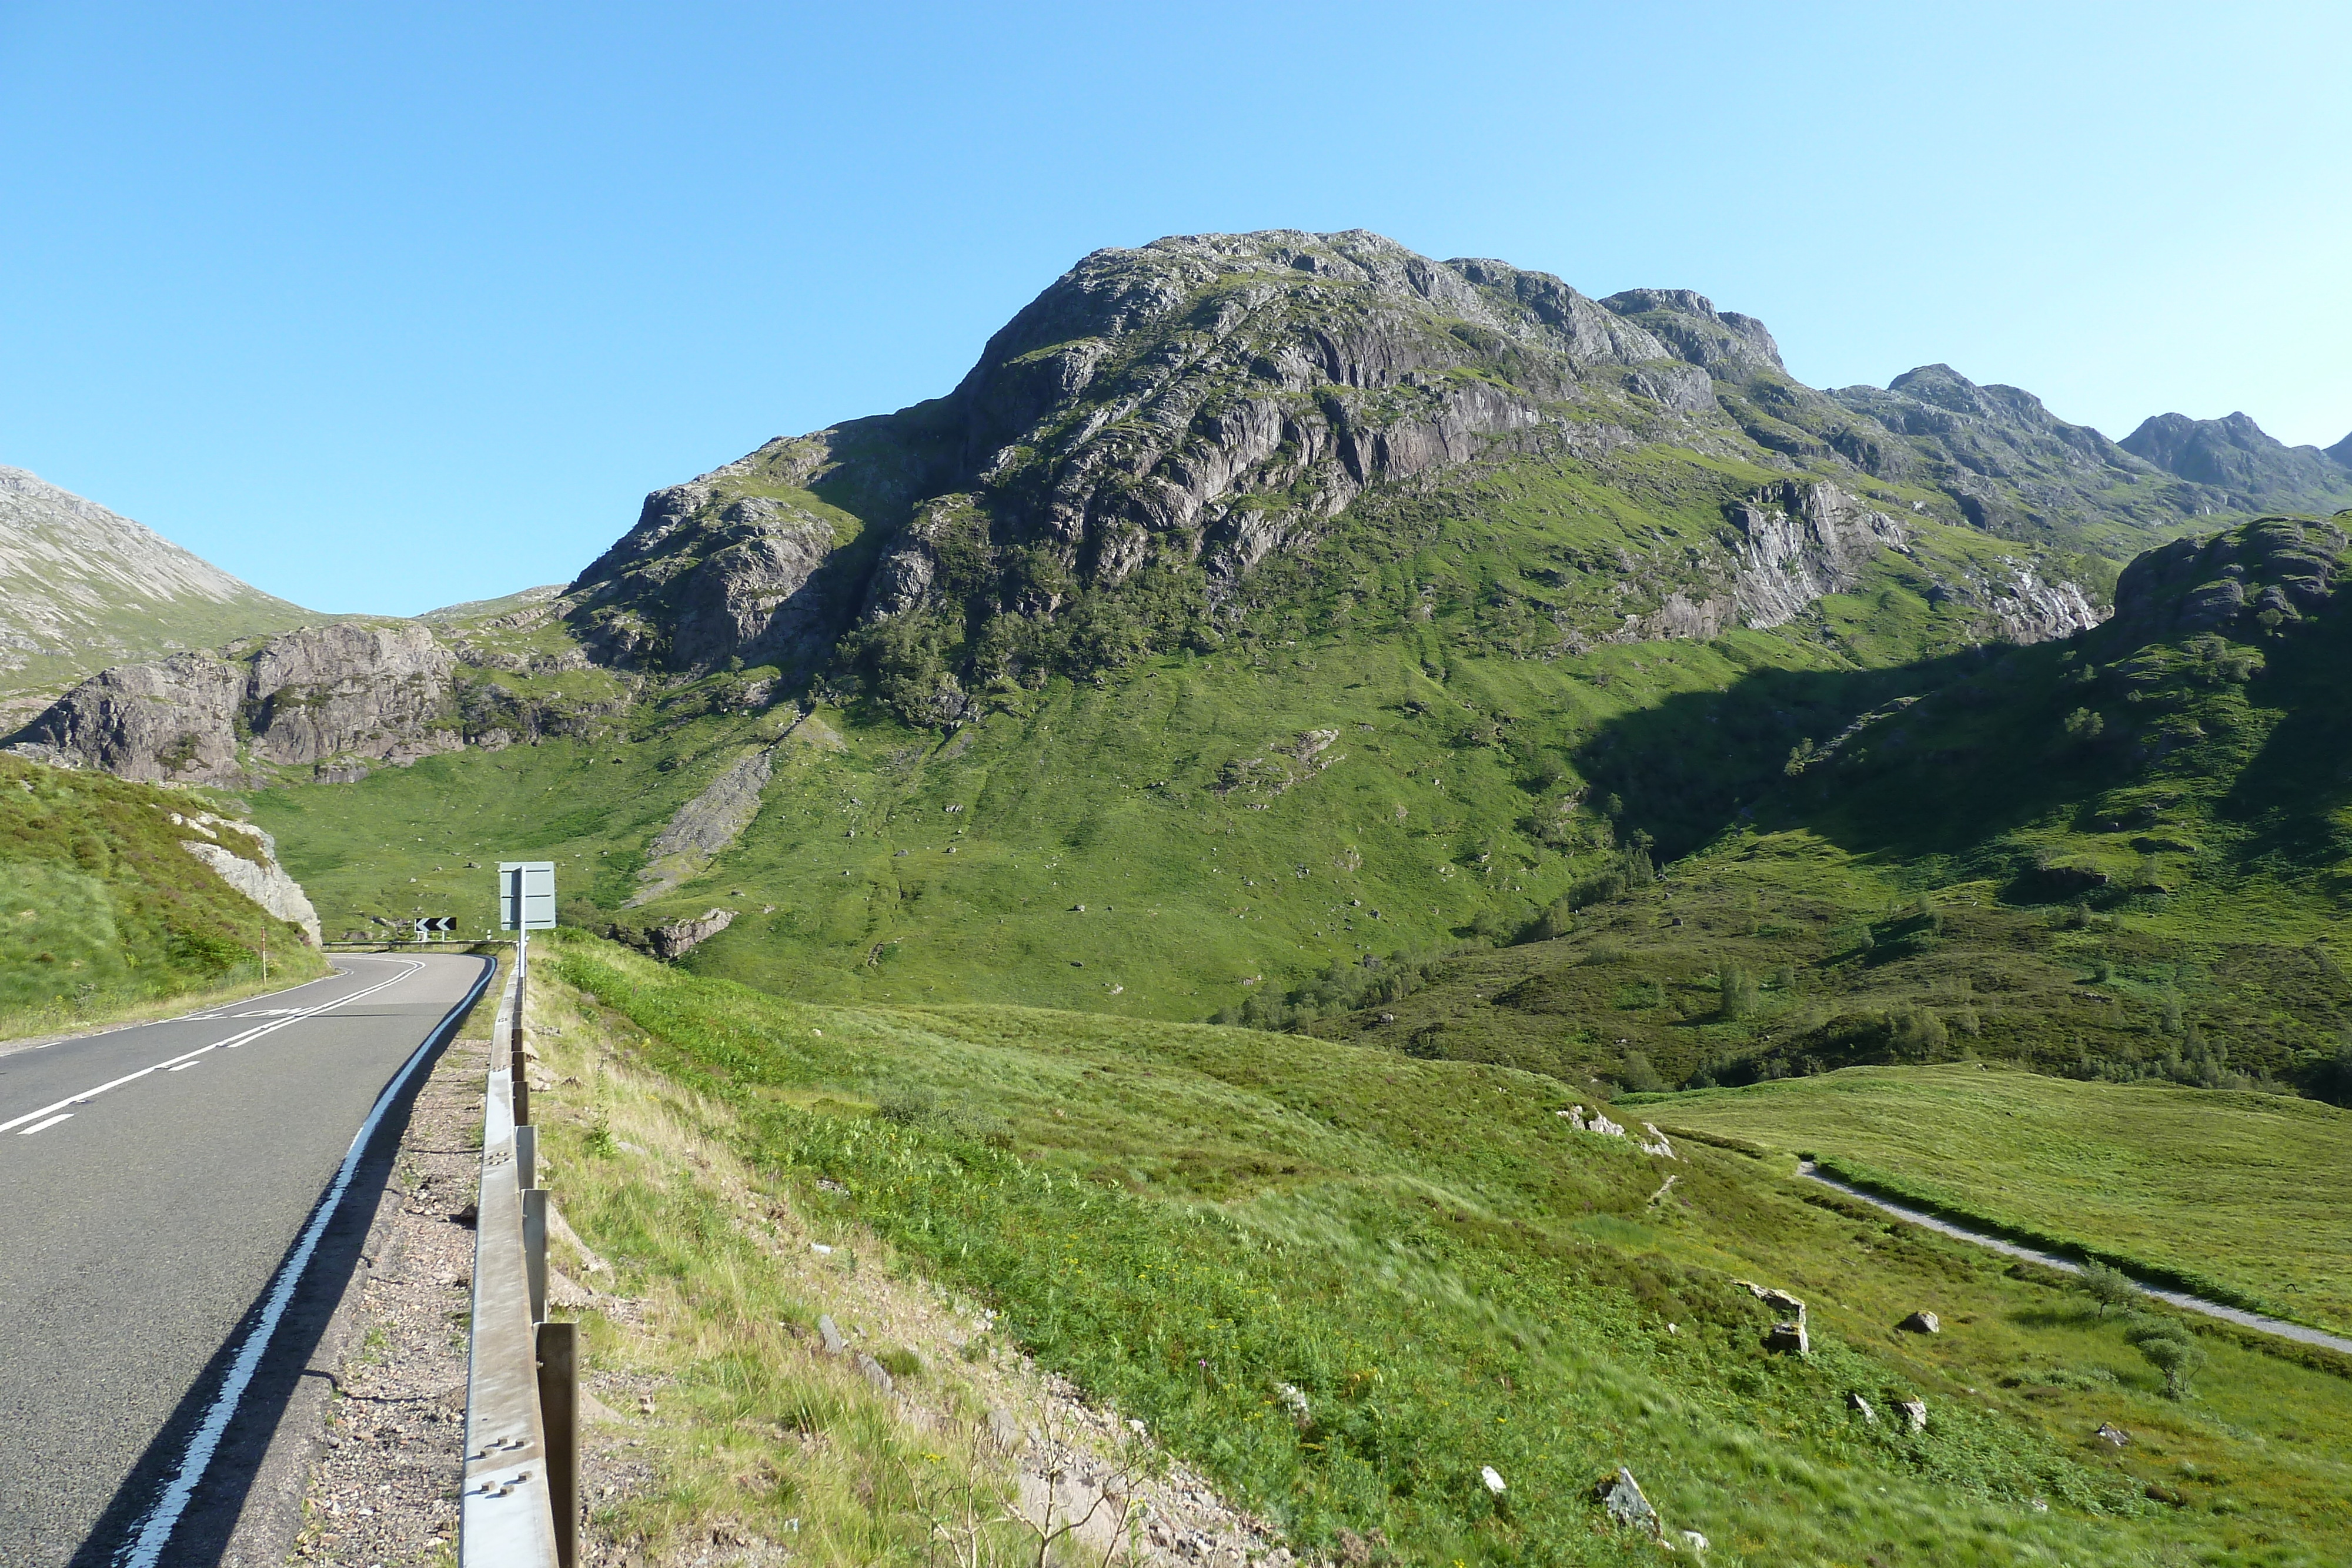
{"x":1136,"y":444}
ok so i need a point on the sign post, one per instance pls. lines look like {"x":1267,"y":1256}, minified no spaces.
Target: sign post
{"x":526,"y":903}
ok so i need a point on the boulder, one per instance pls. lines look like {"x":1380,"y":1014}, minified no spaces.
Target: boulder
{"x":2113,"y":1436}
{"x":1778,"y":1299}
{"x":1921,"y":1322}
{"x":1621,"y":1495}
{"x":1857,"y":1402}
{"x":1789,"y":1336}
{"x":875,"y":1374}
{"x":830,"y":1332}
{"x":1915,"y":1411}
{"x":677,"y":939}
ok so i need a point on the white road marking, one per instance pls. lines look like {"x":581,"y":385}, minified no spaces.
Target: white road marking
{"x":155,"y":1530}
{"x":52,"y":1122}
{"x":231,"y":1043}
{"x":184,"y":1067}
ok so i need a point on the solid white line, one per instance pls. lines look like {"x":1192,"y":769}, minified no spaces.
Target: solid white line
{"x":184,"y":1067}
{"x":50,"y":1123}
{"x":232,"y":1043}
{"x":155,"y":1530}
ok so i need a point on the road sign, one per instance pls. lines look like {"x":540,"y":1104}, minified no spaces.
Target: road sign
{"x":430,"y":926}
{"x":526,"y":896}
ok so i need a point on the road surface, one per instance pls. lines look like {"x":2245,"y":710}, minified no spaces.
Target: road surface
{"x":141,"y":1226}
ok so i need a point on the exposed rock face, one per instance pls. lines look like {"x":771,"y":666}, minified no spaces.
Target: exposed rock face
{"x":373,"y":692}
{"x":1801,"y":541}
{"x":679,"y":938}
{"x":2281,"y":567}
{"x":1726,"y":345}
{"x":261,"y":879}
{"x":335,"y":699}
{"x":1200,"y":402}
{"x":351,"y":691}
{"x":2234,"y":455}
{"x":173,"y":719}
{"x":707,"y":576}
{"x":704,"y":826}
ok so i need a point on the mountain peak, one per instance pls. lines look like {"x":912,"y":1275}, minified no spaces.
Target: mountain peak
{"x":82,"y":587}
{"x":1723,"y":343}
{"x":2235,"y":454}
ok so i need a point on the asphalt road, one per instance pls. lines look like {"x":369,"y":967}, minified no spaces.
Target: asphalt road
{"x":139,"y":1227}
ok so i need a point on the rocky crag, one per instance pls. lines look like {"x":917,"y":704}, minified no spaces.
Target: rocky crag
{"x":324,"y":702}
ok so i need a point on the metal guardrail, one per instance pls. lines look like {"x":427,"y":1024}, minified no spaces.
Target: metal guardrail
{"x":520,"y":1503}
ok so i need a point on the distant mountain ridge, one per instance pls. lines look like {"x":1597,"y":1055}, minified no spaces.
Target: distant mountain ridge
{"x":82,"y":587}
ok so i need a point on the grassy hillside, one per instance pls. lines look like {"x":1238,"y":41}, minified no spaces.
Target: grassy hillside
{"x":101,"y":908}
{"x":2249,"y":1191}
{"x":1182,"y":1218}
{"x":1391,"y":724}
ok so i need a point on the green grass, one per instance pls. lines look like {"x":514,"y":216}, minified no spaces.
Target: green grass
{"x":2250,"y":1191}
{"x":102,"y":910}
{"x":1180,"y":1217}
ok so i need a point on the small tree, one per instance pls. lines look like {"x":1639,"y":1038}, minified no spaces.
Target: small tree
{"x":2108,"y":1287}
{"x":2176,"y":1355}
{"x":1736,"y":990}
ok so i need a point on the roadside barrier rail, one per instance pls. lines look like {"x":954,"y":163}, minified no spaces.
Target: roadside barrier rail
{"x":520,"y":1503}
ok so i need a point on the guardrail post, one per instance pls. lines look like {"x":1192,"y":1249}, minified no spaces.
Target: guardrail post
{"x":526,"y":1156}
{"x":522,"y":978}
{"x":559,"y":1406}
{"x":534,"y":1249}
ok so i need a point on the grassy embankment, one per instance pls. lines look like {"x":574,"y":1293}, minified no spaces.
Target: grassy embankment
{"x":2247,"y":1195}
{"x":104,"y":915}
{"x":1182,"y":1218}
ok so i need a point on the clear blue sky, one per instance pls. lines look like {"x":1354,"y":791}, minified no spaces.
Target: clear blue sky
{"x":386,"y":307}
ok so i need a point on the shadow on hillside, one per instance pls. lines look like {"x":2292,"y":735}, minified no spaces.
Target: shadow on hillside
{"x":1697,"y":764}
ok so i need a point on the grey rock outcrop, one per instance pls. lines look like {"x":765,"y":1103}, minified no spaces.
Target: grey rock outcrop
{"x":334,"y":699}
{"x":259,"y":877}
{"x":1724,"y":344}
{"x":2285,"y":566}
{"x":1921,"y":1322}
{"x":704,"y":826}
{"x":304,"y":697}
{"x":678,"y":937}
{"x":175,"y":718}
{"x":1802,"y":541}
{"x":1621,"y":1497}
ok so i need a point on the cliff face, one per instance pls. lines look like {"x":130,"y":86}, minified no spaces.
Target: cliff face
{"x":331,"y":699}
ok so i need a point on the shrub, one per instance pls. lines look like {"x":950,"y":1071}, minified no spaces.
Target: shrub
{"x":2108,"y":1287}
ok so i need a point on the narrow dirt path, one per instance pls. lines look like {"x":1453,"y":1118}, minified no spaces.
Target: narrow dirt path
{"x":2181,"y":1299}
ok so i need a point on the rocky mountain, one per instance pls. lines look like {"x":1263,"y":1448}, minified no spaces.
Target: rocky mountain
{"x":82,"y":589}
{"x":2254,"y":470}
{"x":1161,"y":421}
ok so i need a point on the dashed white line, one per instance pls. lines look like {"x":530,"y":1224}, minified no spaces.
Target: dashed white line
{"x":173,"y":1062}
{"x":52,"y":1122}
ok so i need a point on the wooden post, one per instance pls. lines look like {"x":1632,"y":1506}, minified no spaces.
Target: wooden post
{"x":558,"y":1409}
